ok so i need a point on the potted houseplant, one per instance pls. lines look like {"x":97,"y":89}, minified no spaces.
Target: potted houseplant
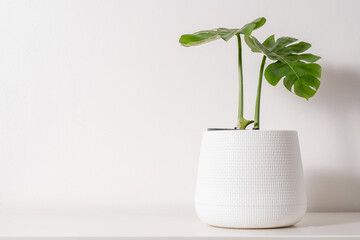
{"x":254,"y":178}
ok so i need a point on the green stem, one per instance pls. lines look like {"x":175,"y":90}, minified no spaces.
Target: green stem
{"x":241,"y":92}
{"x":257,"y":105}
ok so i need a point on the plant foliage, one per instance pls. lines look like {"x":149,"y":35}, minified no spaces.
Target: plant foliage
{"x":299,"y":71}
{"x":226,"y":34}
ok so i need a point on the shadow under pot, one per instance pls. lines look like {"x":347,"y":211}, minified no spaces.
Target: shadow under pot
{"x":250,"y":179}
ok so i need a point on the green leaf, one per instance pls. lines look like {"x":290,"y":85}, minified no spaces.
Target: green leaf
{"x":289,"y":82}
{"x":282,"y":42}
{"x":307,"y":57}
{"x":188,"y":40}
{"x":303,"y":90}
{"x":226,"y":34}
{"x":295,"y":48}
{"x":269,"y":42}
{"x":269,"y":53}
{"x":251,"y":44}
{"x":307,"y":68}
{"x":275,"y":71}
{"x":250,"y":27}
{"x":298,"y":75}
{"x":302,"y":76}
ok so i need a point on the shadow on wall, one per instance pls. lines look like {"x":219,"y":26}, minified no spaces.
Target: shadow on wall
{"x":333,"y":192}
{"x":339,"y":190}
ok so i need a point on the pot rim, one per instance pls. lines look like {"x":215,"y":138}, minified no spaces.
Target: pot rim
{"x":246,"y":131}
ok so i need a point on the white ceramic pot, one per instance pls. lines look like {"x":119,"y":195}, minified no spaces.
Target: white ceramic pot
{"x":250,"y":179}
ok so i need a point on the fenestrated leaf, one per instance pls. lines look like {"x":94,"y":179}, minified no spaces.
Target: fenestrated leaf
{"x":307,"y":57}
{"x":295,"y":48}
{"x":307,"y":68}
{"x":303,"y":90}
{"x":298,"y":75}
{"x":303,"y":76}
{"x":206,"y":36}
{"x":275,"y":71}
{"x":282,"y":42}
{"x":289,"y":82}
{"x":269,"y":42}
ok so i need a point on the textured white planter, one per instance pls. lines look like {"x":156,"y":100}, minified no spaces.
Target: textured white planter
{"x":250,"y":179}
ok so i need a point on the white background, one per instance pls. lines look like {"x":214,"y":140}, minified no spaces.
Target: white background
{"x":101,"y":106}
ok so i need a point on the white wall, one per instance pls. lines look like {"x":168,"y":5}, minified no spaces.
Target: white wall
{"x":100,"y":105}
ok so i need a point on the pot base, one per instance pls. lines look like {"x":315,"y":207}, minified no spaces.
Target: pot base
{"x":250,"y":217}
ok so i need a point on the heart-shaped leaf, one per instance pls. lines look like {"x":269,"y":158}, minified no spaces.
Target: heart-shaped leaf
{"x":206,"y":36}
{"x":298,"y":75}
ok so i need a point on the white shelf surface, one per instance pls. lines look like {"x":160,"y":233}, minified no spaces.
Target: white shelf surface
{"x":164,"y":223}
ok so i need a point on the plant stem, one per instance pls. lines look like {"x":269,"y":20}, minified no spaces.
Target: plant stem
{"x":257,"y":105}
{"x":241,"y":92}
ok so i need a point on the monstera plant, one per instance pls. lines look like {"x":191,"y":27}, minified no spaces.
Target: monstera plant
{"x":298,"y":70}
{"x":243,"y":174}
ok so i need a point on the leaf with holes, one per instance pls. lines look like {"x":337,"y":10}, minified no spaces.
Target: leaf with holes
{"x":206,"y":36}
{"x":300,"y":75}
{"x":298,"y":70}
